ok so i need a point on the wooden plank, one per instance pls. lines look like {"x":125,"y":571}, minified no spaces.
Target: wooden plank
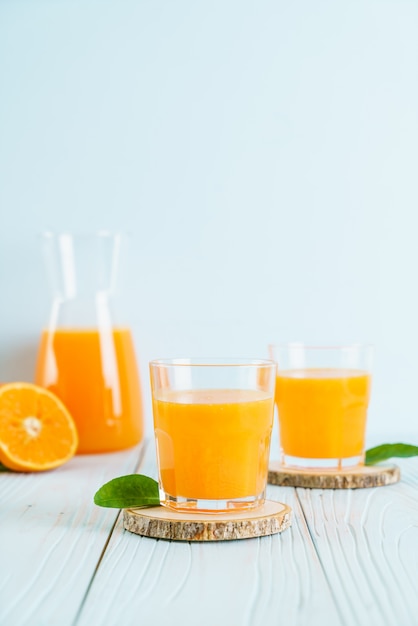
{"x":367,"y":541}
{"x":52,"y":536}
{"x":251,"y":582}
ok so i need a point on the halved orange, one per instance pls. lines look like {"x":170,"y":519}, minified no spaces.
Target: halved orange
{"x":36,"y":430}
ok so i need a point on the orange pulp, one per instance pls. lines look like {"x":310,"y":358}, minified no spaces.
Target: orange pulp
{"x":37,"y":432}
{"x":322,"y":412}
{"x":213,"y":444}
{"x":94,"y":372}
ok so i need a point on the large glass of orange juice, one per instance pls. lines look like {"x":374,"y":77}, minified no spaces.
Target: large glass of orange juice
{"x":213,"y":422}
{"x":322,"y":397}
{"x":86,"y":359}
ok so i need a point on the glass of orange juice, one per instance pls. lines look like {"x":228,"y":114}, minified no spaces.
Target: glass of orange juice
{"x":322,"y":396}
{"x":86,"y":355}
{"x":213,"y":421}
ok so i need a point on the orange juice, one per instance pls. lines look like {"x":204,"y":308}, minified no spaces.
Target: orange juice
{"x":95,"y":374}
{"x":213,"y":444}
{"x":322,"y":412}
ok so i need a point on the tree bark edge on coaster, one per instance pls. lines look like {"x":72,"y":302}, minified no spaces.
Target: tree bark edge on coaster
{"x":164,"y":523}
{"x":357,"y":478}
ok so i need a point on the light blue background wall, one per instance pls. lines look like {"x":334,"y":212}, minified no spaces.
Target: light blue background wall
{"x":263,"y":156}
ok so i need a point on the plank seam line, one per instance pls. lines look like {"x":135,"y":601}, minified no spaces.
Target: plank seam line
{"x":142,"y":452}
{"x":320,"y":562}
{"x":96,"y":569}
{"x":83,"y":601}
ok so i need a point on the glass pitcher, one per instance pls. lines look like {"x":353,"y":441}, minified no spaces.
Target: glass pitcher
{"x":83,"y":357}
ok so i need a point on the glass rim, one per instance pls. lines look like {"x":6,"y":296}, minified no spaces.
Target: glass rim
{"x":312,"y":347}
{"x":211,"y":362}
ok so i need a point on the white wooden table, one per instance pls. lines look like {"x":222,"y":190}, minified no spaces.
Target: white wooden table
{"x":350,"y":558}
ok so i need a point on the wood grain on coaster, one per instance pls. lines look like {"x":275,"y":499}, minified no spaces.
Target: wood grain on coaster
{"x":163,"y":523}
{"x":356,"y":478}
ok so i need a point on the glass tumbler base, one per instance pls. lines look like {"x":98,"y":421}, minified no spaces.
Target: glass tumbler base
{"x":329,"y":464}
{"x":194,"y":505}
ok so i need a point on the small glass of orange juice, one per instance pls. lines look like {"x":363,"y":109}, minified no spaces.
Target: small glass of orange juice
{"x":322,"y":396}
{"x":213,"y":421}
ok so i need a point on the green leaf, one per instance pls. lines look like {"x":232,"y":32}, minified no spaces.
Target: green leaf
{"x":389,"y":450}
{"x":3,"y":468}
{"x":124,"y":492}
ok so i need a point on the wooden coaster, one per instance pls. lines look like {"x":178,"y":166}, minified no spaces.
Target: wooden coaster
{"x":357,"y":478}
{"x":162,"y":523}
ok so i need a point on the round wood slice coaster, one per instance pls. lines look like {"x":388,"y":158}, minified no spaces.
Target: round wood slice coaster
{"x":357,"y":478}
{"x":162,"y":523}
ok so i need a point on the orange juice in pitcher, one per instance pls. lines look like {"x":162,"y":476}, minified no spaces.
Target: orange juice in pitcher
{"x":84,"y":358}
